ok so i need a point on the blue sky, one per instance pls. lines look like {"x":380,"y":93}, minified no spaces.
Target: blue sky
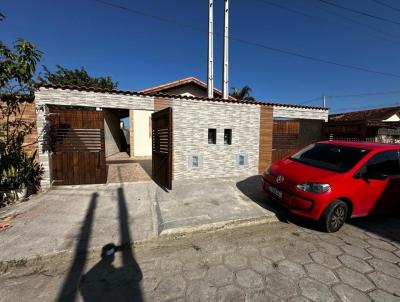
{"x":139,"y":51}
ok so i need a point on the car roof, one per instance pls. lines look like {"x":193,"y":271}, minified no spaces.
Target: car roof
{"x":364,"y":145}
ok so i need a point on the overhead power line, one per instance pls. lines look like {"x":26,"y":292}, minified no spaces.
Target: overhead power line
{"x":360,"y":12}
{"x":323,"y":20}
{"x":363,"y":94}
{"x":289,"y":9}
{"x":387,"y":5}
{"x":319,"y":98}
{"x":256,"y":44}
{"x":359,"y":23}
{"x":315,"y":59}
{"x":347,"y":109}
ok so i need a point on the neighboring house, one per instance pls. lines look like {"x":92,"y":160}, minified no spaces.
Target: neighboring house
{"x":191,"y":137}
{"x":381,"y":124}
{"x":187,"y":87}
{"x":140,"y":120}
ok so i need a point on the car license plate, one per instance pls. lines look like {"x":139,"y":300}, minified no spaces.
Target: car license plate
{"x":275,"y":191}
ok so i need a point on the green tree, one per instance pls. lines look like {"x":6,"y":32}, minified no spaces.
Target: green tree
{"x":17,"y":70}
{"x":242,"y":94}
{"x":79,"y":77}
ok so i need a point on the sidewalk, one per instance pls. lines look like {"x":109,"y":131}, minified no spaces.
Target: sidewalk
{"x":88,"y":217}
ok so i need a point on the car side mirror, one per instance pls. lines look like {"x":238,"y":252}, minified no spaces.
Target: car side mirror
{"x":366,"y":174}
{"x":376,"y":175}
{"x":361,"y":173}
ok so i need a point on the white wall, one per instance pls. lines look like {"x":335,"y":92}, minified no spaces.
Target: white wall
{"x":142,"y":132}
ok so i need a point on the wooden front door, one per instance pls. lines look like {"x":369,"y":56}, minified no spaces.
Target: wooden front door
{"x":77,"y":145}
{"x":162,"y":147}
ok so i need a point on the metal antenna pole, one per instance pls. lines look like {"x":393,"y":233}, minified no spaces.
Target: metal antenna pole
{"x":324,"y":101}
{"x":225,"y":68}
{"x":210,"y":76}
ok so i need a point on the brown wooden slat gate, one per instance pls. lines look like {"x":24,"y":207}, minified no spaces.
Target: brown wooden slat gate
{"x":162,"y":147}
{"x":78,"y":151}
{"x":285,"y":138}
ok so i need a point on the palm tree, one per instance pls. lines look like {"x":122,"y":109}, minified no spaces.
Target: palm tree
{"x":242,"y":94}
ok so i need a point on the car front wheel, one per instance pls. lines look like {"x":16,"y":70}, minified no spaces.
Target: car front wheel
{"x":334,"y":216}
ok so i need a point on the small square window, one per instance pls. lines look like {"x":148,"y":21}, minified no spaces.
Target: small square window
{"x":228,"y":136}
{"x":212,"y":136}
{"x":241,"y":160}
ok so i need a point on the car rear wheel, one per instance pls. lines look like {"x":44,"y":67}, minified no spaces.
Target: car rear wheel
{"x":334,"y":216}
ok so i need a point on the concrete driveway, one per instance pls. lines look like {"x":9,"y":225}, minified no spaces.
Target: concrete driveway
{"x":55,"y":221}
{"x":86,"y":217}
{"x":209,"y":203}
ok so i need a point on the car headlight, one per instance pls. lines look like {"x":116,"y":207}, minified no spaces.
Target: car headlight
{"x":311,"y":187}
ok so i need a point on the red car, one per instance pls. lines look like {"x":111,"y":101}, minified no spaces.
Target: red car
{"x":334,"y":180}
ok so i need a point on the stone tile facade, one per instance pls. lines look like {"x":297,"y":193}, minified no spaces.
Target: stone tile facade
{"x":303,"y":113}
{"x":43,"y":147}
{"x":192,"y":119}
{"x":66,"y":97}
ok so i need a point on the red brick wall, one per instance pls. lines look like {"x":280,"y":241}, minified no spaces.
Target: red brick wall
{"x":28,"y":113}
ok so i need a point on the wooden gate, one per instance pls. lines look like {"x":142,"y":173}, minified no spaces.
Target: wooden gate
{"x":77,"y":143}
{"x":162,"y":147}
{"x":285,"y":139}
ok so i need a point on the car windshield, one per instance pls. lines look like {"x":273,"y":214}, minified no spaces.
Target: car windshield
{"x":331,"y":157}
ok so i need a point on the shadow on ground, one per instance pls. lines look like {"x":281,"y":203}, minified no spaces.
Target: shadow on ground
{"x":383,"y":225}
{"x":386,"y":226}
{"x":251,"y":187}
{"x":247,"y":187}
{"x":105,"y":281}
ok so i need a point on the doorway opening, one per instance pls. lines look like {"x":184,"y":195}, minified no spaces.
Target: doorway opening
{"x":120,"y":141}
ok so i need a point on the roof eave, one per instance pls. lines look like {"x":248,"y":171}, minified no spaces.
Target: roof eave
{"x":163,"y":95}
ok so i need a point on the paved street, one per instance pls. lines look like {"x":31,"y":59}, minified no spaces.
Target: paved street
{"x":274,"y":262}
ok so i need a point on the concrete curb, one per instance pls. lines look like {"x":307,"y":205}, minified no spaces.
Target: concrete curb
{"x":217,"y":226}
{"x":94,"y":252}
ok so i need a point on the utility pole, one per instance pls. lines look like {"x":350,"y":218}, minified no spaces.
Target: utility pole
{"x":210,"y":76}
{"x":225,"y":68}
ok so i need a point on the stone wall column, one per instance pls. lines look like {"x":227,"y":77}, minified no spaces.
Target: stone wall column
{"x":42,"y":125}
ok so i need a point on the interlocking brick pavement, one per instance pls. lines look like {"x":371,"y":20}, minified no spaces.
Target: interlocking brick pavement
{"x":254,"y":263}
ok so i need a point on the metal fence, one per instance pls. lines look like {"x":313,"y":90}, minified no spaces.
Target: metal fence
{"x":378,"y":139}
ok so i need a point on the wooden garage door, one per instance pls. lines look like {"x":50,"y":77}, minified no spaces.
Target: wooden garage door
{"x":78,"y":151}
{"x":162,"y":147}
